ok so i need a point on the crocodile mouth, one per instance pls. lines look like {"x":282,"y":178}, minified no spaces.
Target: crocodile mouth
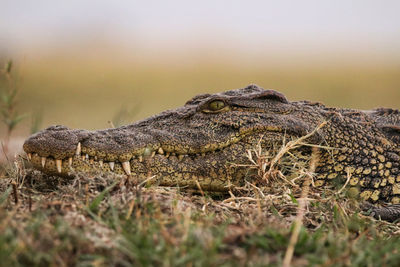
{"x":87,"y":159}
{"x":84,"y":162}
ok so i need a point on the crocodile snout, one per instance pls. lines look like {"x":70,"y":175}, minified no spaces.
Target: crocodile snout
{"x":56,"y":141}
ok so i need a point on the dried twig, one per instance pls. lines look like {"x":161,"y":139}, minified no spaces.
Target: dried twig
{"x":15,"y":191}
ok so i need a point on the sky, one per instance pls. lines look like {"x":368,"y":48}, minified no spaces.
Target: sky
{"x":306,"y":24}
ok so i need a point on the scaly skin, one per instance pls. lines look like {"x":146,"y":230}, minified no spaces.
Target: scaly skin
{"x":205,"y":142}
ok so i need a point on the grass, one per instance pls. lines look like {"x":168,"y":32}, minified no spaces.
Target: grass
{"x":103,"y":221}
{"x":8,"y":101}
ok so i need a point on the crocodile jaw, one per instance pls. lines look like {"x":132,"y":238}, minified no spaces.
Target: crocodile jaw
{"x":212,"y":170}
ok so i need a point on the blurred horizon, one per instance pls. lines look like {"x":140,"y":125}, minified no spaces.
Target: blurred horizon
{"x":283,"y":25}
{"x":81,"y":63}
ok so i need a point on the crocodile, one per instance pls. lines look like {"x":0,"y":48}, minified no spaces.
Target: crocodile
{"x":205,"y":144}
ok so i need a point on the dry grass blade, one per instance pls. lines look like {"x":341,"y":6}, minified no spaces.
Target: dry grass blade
{"x":300,"y":210}
{"x":292,"y":145}
{"x":348,"y":176}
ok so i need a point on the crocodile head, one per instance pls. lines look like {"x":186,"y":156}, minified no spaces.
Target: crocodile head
{"x":202,"y":143}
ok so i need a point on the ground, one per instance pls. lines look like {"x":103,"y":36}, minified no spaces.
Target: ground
{"x":106,"y":220}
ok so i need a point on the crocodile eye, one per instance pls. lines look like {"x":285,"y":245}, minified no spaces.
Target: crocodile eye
{"x":216,"y":105}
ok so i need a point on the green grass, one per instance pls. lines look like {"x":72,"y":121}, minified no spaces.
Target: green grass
{"x":102,"y":221}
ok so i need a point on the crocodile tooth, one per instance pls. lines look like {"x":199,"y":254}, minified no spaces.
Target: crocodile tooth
{"x":70,"y":161}
{"x":167,"y":154}
{"x":203,"y":154}
{"x":153,"y":154}
{"x":91,"y":161}
{"x":111,"y":165}
{"x":43,"y":161}
{"x":140,"y":159}
{"x":127,"y":167}
{"x":160,"y":151}
{"x":58,"y":164}
{"x":83,"y":157}
{"x":78,"y":149}
{"x":101,"y":163}
{"x":180,"y":157}
{"x":29,"y":156}
{"x":87,"y":156}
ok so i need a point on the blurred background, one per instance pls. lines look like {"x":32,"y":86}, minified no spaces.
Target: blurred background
{"x":85,"y":64}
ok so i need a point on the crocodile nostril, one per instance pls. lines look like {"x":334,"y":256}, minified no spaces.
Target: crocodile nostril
{"x":57,"y":128}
